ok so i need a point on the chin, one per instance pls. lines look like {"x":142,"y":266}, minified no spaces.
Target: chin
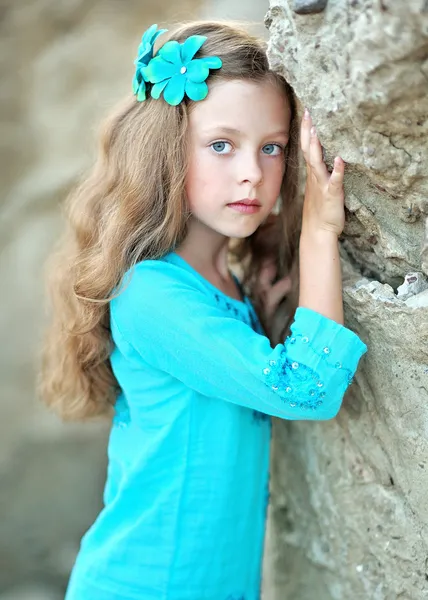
{"x":242,"y":231}
{"x":239,"y":229}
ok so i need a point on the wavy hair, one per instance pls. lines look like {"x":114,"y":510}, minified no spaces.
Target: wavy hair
{"x":132,"y":207}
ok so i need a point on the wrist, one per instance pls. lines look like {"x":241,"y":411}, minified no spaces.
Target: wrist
{"x":318,"y":236}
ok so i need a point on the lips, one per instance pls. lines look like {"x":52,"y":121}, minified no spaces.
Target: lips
{"x":247,"y":202}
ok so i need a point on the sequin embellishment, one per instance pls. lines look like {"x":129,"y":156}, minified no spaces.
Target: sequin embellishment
{"x":298,"y":385}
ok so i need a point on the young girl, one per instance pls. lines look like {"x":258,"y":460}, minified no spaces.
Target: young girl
{"x":150,"y":318}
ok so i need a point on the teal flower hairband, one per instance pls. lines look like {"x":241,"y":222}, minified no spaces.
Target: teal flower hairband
{"x":173,"y":70}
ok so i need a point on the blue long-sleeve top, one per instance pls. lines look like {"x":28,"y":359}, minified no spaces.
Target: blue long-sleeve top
{"x":188,"y":476}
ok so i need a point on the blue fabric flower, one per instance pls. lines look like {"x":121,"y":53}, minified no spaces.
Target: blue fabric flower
{"x":174,"y":72}
{"x":144,"y":56}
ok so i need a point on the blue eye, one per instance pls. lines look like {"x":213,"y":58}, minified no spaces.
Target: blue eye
{"x":273,"y":149}
{"x":220,"y":147}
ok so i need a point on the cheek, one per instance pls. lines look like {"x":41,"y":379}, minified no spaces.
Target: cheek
{"x":204,"y":177}
{"x":197,"y":186}
{"x":274,"y":173}
{"x":194,"y":181}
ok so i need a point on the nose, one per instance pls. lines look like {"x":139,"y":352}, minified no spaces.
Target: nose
{"x":249,"y":168}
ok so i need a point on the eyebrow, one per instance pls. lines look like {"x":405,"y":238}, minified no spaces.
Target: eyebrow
{"x":233,"y":131}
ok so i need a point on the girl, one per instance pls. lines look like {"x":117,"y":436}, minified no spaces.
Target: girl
{"x":150,"y":318}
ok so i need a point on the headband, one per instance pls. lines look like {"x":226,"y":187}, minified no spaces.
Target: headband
{"x":173,"y":71}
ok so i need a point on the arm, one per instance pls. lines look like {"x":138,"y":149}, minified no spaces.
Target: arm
{"x":321,"y":275}
{"x":323,"y":221}
{"x":165,"y":318}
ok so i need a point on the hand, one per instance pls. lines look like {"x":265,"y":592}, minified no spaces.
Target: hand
{"x":323,"y":207}
{"x":271,"y":293}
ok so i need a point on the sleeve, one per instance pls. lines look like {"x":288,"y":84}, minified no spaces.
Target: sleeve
{"x":175,"y":326}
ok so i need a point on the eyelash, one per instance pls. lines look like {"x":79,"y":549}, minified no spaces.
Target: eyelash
{"x":226,"y":142}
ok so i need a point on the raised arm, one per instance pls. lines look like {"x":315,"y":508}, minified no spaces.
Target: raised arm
{"x":323,"y":221}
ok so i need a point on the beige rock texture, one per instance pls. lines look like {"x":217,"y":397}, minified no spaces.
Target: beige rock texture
{"x":349,"y":513}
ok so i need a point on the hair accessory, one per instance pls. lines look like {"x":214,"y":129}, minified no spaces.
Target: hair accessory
{"x":174,"y":72}
{"x":144,"y":56}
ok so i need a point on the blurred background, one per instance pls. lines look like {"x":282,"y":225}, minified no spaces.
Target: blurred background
{"x":63,"y":64}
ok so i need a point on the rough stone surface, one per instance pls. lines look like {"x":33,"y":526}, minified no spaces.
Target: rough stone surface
{"x":349,"y":514}
{"x":309,"y":7}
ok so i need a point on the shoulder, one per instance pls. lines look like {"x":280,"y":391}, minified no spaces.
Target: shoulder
{"x":155,"y":283}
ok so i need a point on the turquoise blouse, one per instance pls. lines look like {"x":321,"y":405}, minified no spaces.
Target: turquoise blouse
{"x":187,"y":486}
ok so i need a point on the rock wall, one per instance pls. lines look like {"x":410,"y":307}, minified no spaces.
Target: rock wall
{"x":349,"y":514}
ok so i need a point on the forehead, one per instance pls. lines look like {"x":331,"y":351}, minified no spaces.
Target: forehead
{"x":243,"y":105}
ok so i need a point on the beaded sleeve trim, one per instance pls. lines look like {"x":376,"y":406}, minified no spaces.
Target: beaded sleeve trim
{"x":300,"y":386}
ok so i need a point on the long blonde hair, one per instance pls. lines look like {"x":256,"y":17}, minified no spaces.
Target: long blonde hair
{"x":132,"y":207}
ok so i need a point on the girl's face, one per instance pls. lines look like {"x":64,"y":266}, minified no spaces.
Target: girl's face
{"x":237,"y":140}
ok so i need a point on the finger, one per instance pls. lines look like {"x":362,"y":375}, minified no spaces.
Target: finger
{"x":282,"y":287}
{"x":315,"y":150}
{"x":305,"y":134}
{"x":267,"y":273}
{"x":337,"y":175}
{"x":316,"y":158}
{"x":278,"y":292}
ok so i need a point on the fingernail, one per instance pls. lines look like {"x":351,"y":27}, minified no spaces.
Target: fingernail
{"x":306,"y":115}
{"x":313,"y":131}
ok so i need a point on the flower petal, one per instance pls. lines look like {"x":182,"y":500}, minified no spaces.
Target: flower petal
{"x":155,"y":37}
{"x":136,"y":83}
{"x":196,"y":91}
{"x":158,"y":88}
{"x":190,"y":47}
{"x":212,"y":62}
{"x":174,"y":91}
{"x":143,"y":55}
{"x":158,"y":69}
{"x":145,"y":49}
{"x":141,"y":95}
{"x":197,"y":71}
{"x":148,"y":34}
{"x":171,"y":52}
